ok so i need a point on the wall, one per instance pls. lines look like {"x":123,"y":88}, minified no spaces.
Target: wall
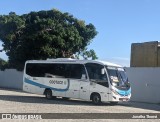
{"x":145,"y":83}
{"x":11,"y":78}
{"x":158,"y":54}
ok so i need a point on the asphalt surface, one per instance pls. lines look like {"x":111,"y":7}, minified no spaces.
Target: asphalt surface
{"x":17,"y":101}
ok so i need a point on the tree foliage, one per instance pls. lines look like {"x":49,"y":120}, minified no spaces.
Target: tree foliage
{"x":3,"y":64}
{"x":44,"y":34}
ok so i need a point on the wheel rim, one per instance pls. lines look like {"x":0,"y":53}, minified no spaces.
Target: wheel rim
{"x":48,"y":94}
{"x":96,"y":99}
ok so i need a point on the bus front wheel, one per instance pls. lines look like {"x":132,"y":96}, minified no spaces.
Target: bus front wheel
{"x":96,"y":99}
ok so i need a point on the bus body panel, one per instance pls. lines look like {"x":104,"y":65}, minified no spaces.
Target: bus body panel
{"x":103,"y":91}
{"x":85,"y":90}
{"x":74,"y":89}
{"x":29,"y":85}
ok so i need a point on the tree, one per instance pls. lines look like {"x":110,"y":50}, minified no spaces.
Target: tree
{"x":3,"y":64}
{"x":85,"y":54}
{"x":42,"y":35}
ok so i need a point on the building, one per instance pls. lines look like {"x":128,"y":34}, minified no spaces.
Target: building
{"x":145,"y":54}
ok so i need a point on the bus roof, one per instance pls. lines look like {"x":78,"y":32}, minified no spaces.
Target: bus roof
{"x":70,"y":60}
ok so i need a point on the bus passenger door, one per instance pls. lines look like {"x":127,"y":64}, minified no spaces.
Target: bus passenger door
{"x":85,"y":90}
{"x":74,"y":73}
{"x":98,"y":80}
{"x":73,"y":91}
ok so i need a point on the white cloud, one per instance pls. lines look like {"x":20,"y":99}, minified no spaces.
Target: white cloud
{"x":1,"y":47}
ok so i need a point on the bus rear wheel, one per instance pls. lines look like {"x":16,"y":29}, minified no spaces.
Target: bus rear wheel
{"x":48,"y":94}
{"x":96,"y":99}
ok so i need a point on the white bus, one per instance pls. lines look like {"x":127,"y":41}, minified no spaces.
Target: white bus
{"x":97,"y":81}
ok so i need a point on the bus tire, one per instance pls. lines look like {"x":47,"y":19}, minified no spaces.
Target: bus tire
{"x":48,"y":94}
{"x":96,"y":99}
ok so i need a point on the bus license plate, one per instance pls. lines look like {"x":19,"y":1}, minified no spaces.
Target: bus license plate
{"x":124,"y":99}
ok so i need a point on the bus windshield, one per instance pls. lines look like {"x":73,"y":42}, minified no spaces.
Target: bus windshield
{"x":118,"y":77}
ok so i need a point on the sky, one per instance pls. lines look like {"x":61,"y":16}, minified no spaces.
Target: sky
{"x":119,"y":22}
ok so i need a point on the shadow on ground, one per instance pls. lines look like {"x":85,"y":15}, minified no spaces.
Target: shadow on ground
{"x":42,"y":100}
{"x":142,"y":105}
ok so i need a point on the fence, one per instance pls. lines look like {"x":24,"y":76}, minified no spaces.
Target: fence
{"x":145,"y":82}
{"x":11,"y":78}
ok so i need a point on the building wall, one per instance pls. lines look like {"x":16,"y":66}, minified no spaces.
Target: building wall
{"x":11,"y":78}
{"x":144,"y":54}
{"x":145,"y":84}
{"x":158,"y":55}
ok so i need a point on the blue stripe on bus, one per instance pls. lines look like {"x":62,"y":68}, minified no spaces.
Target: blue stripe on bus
{"x":124,"y":93}
{"x":44,"y":86}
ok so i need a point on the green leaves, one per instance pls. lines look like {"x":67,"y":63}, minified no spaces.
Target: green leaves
{"x":44,"y":34}
{"x":87,"y":54}
{"x":3,"y":64}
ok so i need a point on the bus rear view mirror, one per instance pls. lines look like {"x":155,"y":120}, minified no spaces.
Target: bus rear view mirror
{"x":102,"y":71}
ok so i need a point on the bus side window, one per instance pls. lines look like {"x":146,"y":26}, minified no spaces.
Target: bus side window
{"x":74,"y":71}
{"x":45,"y":70}
{"x":95,"y":73}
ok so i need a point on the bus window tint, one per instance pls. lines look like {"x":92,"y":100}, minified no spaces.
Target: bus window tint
{"x":94,"y":71}
{"x":40,"y":70}
{"x":74,"y":71}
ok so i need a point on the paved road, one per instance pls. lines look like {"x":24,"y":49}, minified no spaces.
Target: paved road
{"x":15,"y":101}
